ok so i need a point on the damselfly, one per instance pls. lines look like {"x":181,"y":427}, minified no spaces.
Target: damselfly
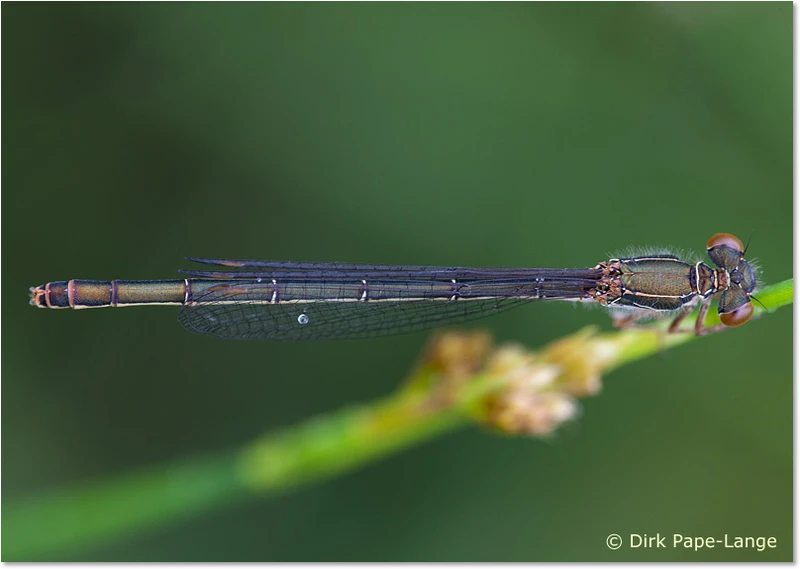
{"x":287,"y":301}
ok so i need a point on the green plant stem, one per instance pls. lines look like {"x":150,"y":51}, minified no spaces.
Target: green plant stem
{"x":69,"y":520}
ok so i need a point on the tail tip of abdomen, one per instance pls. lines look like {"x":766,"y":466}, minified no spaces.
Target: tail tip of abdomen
{"x":51,"y":295}
{"x":37,"y":296}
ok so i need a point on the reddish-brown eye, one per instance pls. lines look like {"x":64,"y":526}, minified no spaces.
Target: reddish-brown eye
{"x":725,"y":239}
{"x":737,"y":317}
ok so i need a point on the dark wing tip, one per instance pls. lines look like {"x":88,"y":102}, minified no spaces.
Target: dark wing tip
{"x":218,"y":262}
{"x":212,"y":274}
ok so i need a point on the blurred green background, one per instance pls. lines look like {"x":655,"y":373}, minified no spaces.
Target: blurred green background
{"x":470,"y":134}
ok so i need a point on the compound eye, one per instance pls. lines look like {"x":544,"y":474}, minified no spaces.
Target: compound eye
{"x":737,"y":317}
{"x":725,"y":239}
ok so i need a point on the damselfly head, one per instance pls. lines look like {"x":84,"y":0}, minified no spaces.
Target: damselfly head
{"x":735,"y":306}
